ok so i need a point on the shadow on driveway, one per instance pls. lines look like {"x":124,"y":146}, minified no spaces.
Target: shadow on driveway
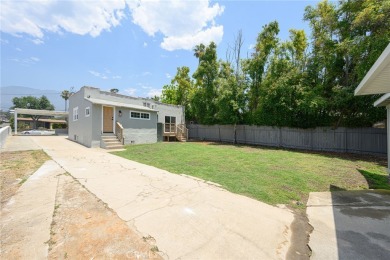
{"x":350,"y":224}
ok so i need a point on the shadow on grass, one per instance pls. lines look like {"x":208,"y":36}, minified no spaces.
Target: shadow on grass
{"x":377,"y":159}
{"x":376,"y":181}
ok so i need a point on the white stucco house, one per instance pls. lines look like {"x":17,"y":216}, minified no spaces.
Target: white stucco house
{"x":377,"y":81}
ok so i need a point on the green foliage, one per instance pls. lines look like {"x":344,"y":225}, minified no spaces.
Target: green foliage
{"x":31,"y":102}
{"x":180,"y":91}
{"x":300,"y":82}
{"x":231,"y":98}
{"x":206,"y":82}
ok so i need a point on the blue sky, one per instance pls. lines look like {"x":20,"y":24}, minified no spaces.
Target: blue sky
{"x":134,"y":46}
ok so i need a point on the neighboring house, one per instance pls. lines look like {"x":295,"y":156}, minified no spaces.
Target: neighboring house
{"x":377,"y":81}
{"x":28,"y":123}
{"x":96,"y":116}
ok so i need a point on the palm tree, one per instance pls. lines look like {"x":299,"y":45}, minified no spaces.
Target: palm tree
{"x":199,"y":51}
{"x":65,"y":95}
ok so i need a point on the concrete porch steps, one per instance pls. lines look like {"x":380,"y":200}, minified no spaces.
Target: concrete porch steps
{"x":110,"y":141}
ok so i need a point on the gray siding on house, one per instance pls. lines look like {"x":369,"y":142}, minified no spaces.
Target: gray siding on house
{"x":81,"y":129}
{"x":166,"y":110}
{"x":138,"y":131}
{"x":388,"y":138}
{"x":96,"y":131}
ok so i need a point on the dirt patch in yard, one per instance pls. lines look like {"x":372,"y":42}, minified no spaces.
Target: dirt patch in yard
{"x":84,"y":227}
{"x":15,"y":168}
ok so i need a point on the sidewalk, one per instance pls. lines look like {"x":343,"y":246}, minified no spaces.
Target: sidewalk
{"x":188,"y":218}
{"x":19,"y":143}
{"x":26,"y":219}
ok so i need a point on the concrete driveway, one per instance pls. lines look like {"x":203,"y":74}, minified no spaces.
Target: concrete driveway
{"x":188,"y":218}
{"x":350,"y":224}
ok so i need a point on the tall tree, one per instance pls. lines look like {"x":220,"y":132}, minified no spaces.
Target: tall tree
{"x":199,"y":51}
{"x":231,"y":101}
{"x":65,"y":94}
{"x":347,"y":39}
{"x":205,"y":95}
{"x":256,"y":66}
{"x":31,"y":102}
{"x":180,"y":91}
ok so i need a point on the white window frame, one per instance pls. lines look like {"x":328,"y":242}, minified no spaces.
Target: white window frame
{"x":140,"y":115}
{"x":75,"y":113}
{"x":89,"y":111}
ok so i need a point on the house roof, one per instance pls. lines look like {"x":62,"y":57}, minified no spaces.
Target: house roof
{"x":383,"y":101}
{"x":46,"y":120}
{"x":377,"y":79}
{"x":118,"y":104}
{"x":38,"y":112}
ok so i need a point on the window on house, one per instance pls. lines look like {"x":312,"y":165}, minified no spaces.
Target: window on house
{"x":146,"y":104}
{"x":135,"y":115}
{"x":139,"y":115}
{"x":75,"y":113}
{"x":87,"y":112}
{"x":170,"y":120}
{"x":170,"y":124}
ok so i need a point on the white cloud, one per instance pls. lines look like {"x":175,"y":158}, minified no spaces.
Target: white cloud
{"x":188,"y":41}
{"x":2,"y":41}
{"x":18,"y":49}
{"x":98,"y":74}
{"x":154,"y":92}
{"x":37,"y":41}
{"x":26,"y":61}
{"x":130,"y":91}
{"x":80,"y":17}
{"x":168,"y":75}
{"x":116,"y":77}
{"x":182,"y":23}
{"x":146,"y":73}
{"x":34,"y":59}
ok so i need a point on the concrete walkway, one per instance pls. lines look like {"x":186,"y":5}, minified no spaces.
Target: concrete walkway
{"x":26,"y":219}
{"x":188,"y":218}
{"x":15,"y":143}
{"x":350,"y":224}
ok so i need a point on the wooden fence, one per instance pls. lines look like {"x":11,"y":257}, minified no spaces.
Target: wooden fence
{"x":347,"y":140}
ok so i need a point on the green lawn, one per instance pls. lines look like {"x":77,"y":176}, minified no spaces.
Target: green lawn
{"x":273,"y":176}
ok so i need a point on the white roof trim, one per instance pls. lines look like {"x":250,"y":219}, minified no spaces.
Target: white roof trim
{"x":383,"y":101}
{"x":118,"y":104}
{"x":38,"y":112}
{"x":376,"y":80}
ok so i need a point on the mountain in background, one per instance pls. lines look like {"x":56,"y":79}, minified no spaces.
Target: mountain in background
{"x":8,"y":93}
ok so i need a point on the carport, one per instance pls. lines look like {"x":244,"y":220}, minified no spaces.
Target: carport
{"x":377,"y":81}
{"x":36,"y":112}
